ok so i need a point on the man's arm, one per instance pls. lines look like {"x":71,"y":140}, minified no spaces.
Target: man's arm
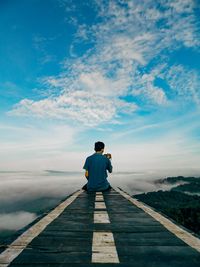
{"x":109,"y":166}
{"x":86,"y":169}
{"x":86,"y":174}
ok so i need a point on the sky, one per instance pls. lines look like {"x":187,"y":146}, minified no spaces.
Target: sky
{"x":123,"y":72}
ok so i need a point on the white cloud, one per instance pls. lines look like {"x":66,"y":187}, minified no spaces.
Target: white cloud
{"x":129,"y":35}
{"x":163,"y":21}
{"x":39,"y":146}
{"x":127,"y":48}
{"x":181,"y":6}
{"x":184,"y":83}
{"x":96,"y":82}
{"x":145,"y":88}
{"x":89,"y":108}
{"x":16,"y":220}
{"x":156,"y":143}
{"x":172,"y":151}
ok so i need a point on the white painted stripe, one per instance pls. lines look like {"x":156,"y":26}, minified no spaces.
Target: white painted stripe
{"x":99,"y":198}
{"x":99,"y":193}
{"x":188,"y":238}
{"x":101,"y":217}
{"x":100,"y":205}
{"x":16,"y":247}
{"x":103,"y":248}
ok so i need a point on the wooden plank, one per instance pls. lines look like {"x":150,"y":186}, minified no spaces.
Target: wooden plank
{"x":188,"y":238}
{"x":122,"y":234}
{"x":17,"y":246}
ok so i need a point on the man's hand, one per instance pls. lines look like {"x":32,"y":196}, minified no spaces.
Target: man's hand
{"x":86,"y":174}
{"x":108,"y":155}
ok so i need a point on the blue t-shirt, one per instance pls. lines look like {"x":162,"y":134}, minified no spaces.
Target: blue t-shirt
{"x":97,"y":166}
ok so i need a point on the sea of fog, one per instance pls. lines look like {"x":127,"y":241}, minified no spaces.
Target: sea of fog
{"x":25,"y":195}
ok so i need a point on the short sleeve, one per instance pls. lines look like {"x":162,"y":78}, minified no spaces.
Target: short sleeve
{"x":86,"y":165}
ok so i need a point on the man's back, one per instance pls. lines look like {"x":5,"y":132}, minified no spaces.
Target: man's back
{"x":97,"y":166}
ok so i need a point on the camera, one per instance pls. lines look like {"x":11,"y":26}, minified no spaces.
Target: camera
{"x":108,"y":155}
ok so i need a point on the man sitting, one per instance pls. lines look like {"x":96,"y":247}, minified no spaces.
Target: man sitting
{"x":96,"y":167}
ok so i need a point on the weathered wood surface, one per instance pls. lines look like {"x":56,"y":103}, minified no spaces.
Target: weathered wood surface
{"x":105,"y":229}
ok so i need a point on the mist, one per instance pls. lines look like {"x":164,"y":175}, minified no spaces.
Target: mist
{"x":25,"y":195}
{"x":16,"y":220}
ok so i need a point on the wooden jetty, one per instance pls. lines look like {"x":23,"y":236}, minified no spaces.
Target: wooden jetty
{"x":102,"y":229}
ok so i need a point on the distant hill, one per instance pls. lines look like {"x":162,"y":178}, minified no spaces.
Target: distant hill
{"x":177,"y":203}
{"x":173,"y":180}
{"x":182,"y":184}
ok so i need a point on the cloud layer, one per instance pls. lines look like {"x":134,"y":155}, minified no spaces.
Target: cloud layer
{"x":16,"y":220}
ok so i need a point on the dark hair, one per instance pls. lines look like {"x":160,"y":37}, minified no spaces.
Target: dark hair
{"x":98,"y":146}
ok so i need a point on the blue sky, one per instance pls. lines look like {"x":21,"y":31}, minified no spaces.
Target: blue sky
{"x":124,"y":72}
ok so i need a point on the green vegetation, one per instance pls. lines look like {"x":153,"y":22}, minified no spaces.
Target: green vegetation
{"x":181,"y":207}
{"x":192,"y":188}
{"x":174,"y":180}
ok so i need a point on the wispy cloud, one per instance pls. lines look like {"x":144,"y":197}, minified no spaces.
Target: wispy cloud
{"x":124,"y":41}
{"x":172,"y":151}
{"x":184,"y":83}
{"x":32,"y":138}
{"x":40,"y":146}
{"x":81,"y":106}
{"x":11,"y":89}
{"x":40,"y":44}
